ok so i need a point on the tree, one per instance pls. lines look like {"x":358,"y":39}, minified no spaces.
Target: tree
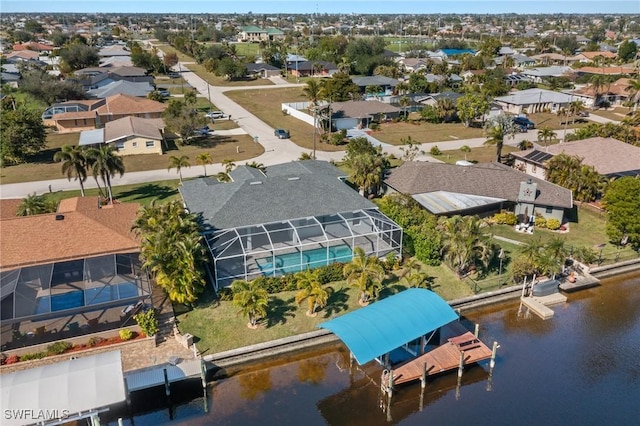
{"x":621,"y":201}
{"x":178,"y":163}
{"x":446,"y":109}
{"x":169,"y":60}
{"x":466,"y":149}
{"x":74,"y":163}
{"x":367,"y":163}
{"x":183,"y":119}
{"x":545,"y":134}
{"x":35,"y":204}
{"x":228,"y":166}
{"x":22,"y":134}
{"x":312,"y":91}
{"x":43,"y":86}
{"x":465,"y":244}
{"x":204,"y":159}
{"x":410,"y":149}
{"x":105,"y":163}
{"x":311,"y":289}
{"x":497,"y":129}
{"x":569,"y":172}
{"x":366,"y":274}
{"x":634,"y":93}
{"x":627,"y":51}
{"x":251,"y":299}
{"x":597,"y":84}
{"x":172,"y":249}
{"x":339,"y":88}
{"x":76,"y":56}
{"x":470,"y":106}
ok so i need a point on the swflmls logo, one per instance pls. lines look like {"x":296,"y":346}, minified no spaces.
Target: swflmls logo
{"x":37,"y":415}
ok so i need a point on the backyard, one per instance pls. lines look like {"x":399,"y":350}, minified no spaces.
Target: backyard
{"x":423,"y":132}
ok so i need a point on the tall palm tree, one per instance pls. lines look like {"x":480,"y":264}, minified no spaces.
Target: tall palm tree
{"x":634,"y":93}
{"x":312,"y":91}
{"x":178,"y":163}
{"x":545,"y":135}
{"x":575,"y":108}
{"x":446,"y":109}
{"x":498,"y":128}
{"x":311,"y":289}
{"x":74,"y":163}
{"x":251,"y":299}
{"x":105,"y":163}
{"x":228,"y":166}
{"x":465,"y":244}
{"x":366,"y":274}
{"x":597,"y":83}
{"x":204,"y":159}
{"x":466,"y":149}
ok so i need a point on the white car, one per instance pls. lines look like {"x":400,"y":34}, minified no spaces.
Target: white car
{"x":215,"y":114}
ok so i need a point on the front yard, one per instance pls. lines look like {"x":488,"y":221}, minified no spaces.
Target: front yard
{"x":423,"y":132}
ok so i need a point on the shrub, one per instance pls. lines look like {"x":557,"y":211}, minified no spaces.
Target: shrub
{"x":126,"y":334}
{"x":330,"y":273}
{"x":374,"y":126}
{"x":11,"y":360}
{"x":553,"y":224}
{"x":505,"y":218}
{"x":338,"y":138}
{"x":391,"y":262}
{"x":584,"y":254}
{"x":147,"y":321}
{"x":225,"y":294}
{"x":95,"y":341}
{"x":58,"y":348}
{"x":35,"y":355}
{"x":541,"y":222}
{"x":435,"y":150}
{"x":392,"y":156}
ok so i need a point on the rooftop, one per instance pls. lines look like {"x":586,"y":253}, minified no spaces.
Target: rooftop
{"x":535,"y":96}
{"x":360,"y":109}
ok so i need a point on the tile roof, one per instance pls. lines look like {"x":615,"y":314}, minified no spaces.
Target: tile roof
{"x":288,"y":191}
{"x":485,"y":180}
{"x":9,"y":207}
{"x":125,"y":104}
{"x":619,"y":87}
{"x":607,"y":155}
{"x":85,"y":231}
{"x":606,"y":70}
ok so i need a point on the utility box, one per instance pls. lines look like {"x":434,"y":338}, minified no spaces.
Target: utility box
{"x":187,"y":340}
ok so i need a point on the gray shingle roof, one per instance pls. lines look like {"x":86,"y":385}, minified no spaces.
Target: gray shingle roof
{"x":360,"y":109}
{"x":535,"y":96}
{"x":288,"y":191}
{"x":375,"y":80}
{"x":487,"y":180}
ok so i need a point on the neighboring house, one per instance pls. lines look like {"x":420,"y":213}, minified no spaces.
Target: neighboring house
{"x":386,"y":84}
{"x":351,"y":114}
{"x":298,"y":215}
{"x":414,"y":64}
{"x":96,"y":77}
{"x":615,"y":93}
{"x":114,"y":50}
{"x":10,"y":74}
{"x":124,"y":87}
{"x":534,"y":100}
{"x":129,"y":135}
{"x":538,"y":75}
{"x":74,"y":116}
{"x":593,"y":56}
{"x":255,"y":34}
{"x":432,"y":98}
{"x":312,"y":69}
{"x":621,"y":70}
{"x":448,"y":189}
{"x":550,"y":59}
{"x":116,"y":61}
{"x":33,"y":46}
{"x":262,"y":70}
{"x":69,"y":273}
{"x":513,"y":79}
{"x":24,"y":55}
{"x":519,"y":61}
{"x":610,"y":157}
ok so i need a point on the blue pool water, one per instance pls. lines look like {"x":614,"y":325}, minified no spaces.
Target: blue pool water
{"x":76,"y":299}
{"x":290,"y":262}
{"x":453,"y":52}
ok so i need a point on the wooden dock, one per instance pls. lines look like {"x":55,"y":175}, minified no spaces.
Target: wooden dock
{"x":581,"y":282}
{"x":444,"y":358}
{"x":539,"y":304}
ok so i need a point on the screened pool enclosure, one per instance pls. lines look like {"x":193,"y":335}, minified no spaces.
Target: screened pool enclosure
{"x":289,"y":246}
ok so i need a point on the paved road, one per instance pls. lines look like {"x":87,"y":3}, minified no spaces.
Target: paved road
{"x":276,"y":150}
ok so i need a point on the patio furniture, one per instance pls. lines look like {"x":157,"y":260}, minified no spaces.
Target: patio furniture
{"x":73,"y":327}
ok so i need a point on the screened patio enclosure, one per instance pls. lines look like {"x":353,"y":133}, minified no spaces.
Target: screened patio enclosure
{"x":69,"y":296}
{"x":289,"y":246}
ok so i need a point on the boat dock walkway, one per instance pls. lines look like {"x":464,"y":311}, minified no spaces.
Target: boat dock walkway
{"x":539,"y":304}
{"x":443,"y":358}
{"x":165,"y":374}
{"x":581,"y":281}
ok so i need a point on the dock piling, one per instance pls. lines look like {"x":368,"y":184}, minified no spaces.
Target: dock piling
{"x":423,"y":380}
{"x":477,"y":330}
{"x":492,"y":363}
{"x":461,"y":366}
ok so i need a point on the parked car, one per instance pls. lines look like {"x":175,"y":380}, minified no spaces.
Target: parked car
{"x":173,"y":75}
{"x":203,"y":131}
{"x":524,"y":121}
{"x":164,"y":92}
{"x":215,"y":114}
{"x":281,"y":133}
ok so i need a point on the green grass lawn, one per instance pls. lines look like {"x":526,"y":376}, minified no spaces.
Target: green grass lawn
{"x":143,"y":193}
{"x":423,"y":132}
{"x":215,"y":80}
{"x":554,"y":122}
{"x":616,"y":114}
{"x":484,"y":154}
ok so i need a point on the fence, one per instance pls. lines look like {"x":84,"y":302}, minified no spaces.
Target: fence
{"x":294,"y":110}
{"x":490,"y":284}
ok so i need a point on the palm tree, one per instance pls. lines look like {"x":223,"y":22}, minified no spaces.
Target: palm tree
{"x":545,"y":134}
{"x":34,"y":204}
{"x":575,"y":108}
{"x":466,"y":149}
{"x":105,"y":163}
{"x":465,"y":243}
{"x":366,"y":274}
{"x":228,"y":166}
{"x":204,"y":159}
{"x":311,"y":289}
{"x":524,"y":145}
{"x":404,"y":102}
{"x":256,"y":165}
{"x":597,"y":83}
{"x":446,"y":109}
{"x":74,"y":163}
{"x":312,"y":91}
{"x":634,"y":93}
{"x":178,"y":163}
{"x":496,"y":129}
{"x":251,"y":299}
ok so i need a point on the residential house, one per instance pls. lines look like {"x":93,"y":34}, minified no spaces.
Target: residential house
{"x":352,"y":114}
{"x":432,"y":98}
{"x":449,"y":189}
{"x":610,"y":157}
{"x":414,"y":64}
{"x":295,"y":216}
{"x":621,"y":70}
{"x":519,"y":61}
{"x":262,"y":70}
{"x":124,"y":87}
{"x":74,"y":116}
{"x":129,"y":135}
{"x":114,"y":50}
{"x":23,"y":55}
{"x":540,"y":74}
{"x":96,"y":77}
{"x":534,"y":100}
{"x":551,"y":59}
{"x":386,"y":85}
{"x":312,"y":69}
{"x":34,"y":47}
{"x":615,"y":93}
{"x":255,"y":34}
{"x":69,"y":273}
{"x":585,"y":57}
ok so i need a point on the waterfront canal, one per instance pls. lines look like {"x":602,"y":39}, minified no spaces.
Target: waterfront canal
{"x":580,"y":367}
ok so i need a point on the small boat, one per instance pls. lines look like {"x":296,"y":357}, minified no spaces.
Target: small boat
{"x":545,"y":288}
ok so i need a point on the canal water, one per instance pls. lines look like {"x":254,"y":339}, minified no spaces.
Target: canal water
{"x":580,"y":367}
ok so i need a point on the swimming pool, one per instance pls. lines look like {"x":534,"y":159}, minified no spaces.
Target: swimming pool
{"x":92,"y":296}
{"x":291,"y":262}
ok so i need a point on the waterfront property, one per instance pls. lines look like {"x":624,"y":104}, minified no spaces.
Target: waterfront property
{"x":295,"y":216}
{"x":69,"y":273}
{"x":448,"y":189}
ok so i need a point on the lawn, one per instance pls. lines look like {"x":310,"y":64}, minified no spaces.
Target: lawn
{"x":220,"y":147}
{"x":242,"y":49}
{"x":215,"y":80}
{"x":218,"y":327}
{"x":484,"y":154}
{"x":616,"y":114}
{"x":143,"y":193}
{"x":553,"y":121}
{"x":423,"y":132}
{"x":170,"y":49}
{"x":266,"y":104}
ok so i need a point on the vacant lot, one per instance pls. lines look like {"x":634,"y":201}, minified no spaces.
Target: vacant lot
{"x":485,"y":154}
{"x":552,"y":121}
{"x":215,"y":80}
{"x":422,"y":132}
{"x":616,"y":114}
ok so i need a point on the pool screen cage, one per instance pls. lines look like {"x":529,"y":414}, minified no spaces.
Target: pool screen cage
{"x":289,"y":246}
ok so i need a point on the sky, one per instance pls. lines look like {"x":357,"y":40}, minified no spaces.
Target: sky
{"x":323,"y":6}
